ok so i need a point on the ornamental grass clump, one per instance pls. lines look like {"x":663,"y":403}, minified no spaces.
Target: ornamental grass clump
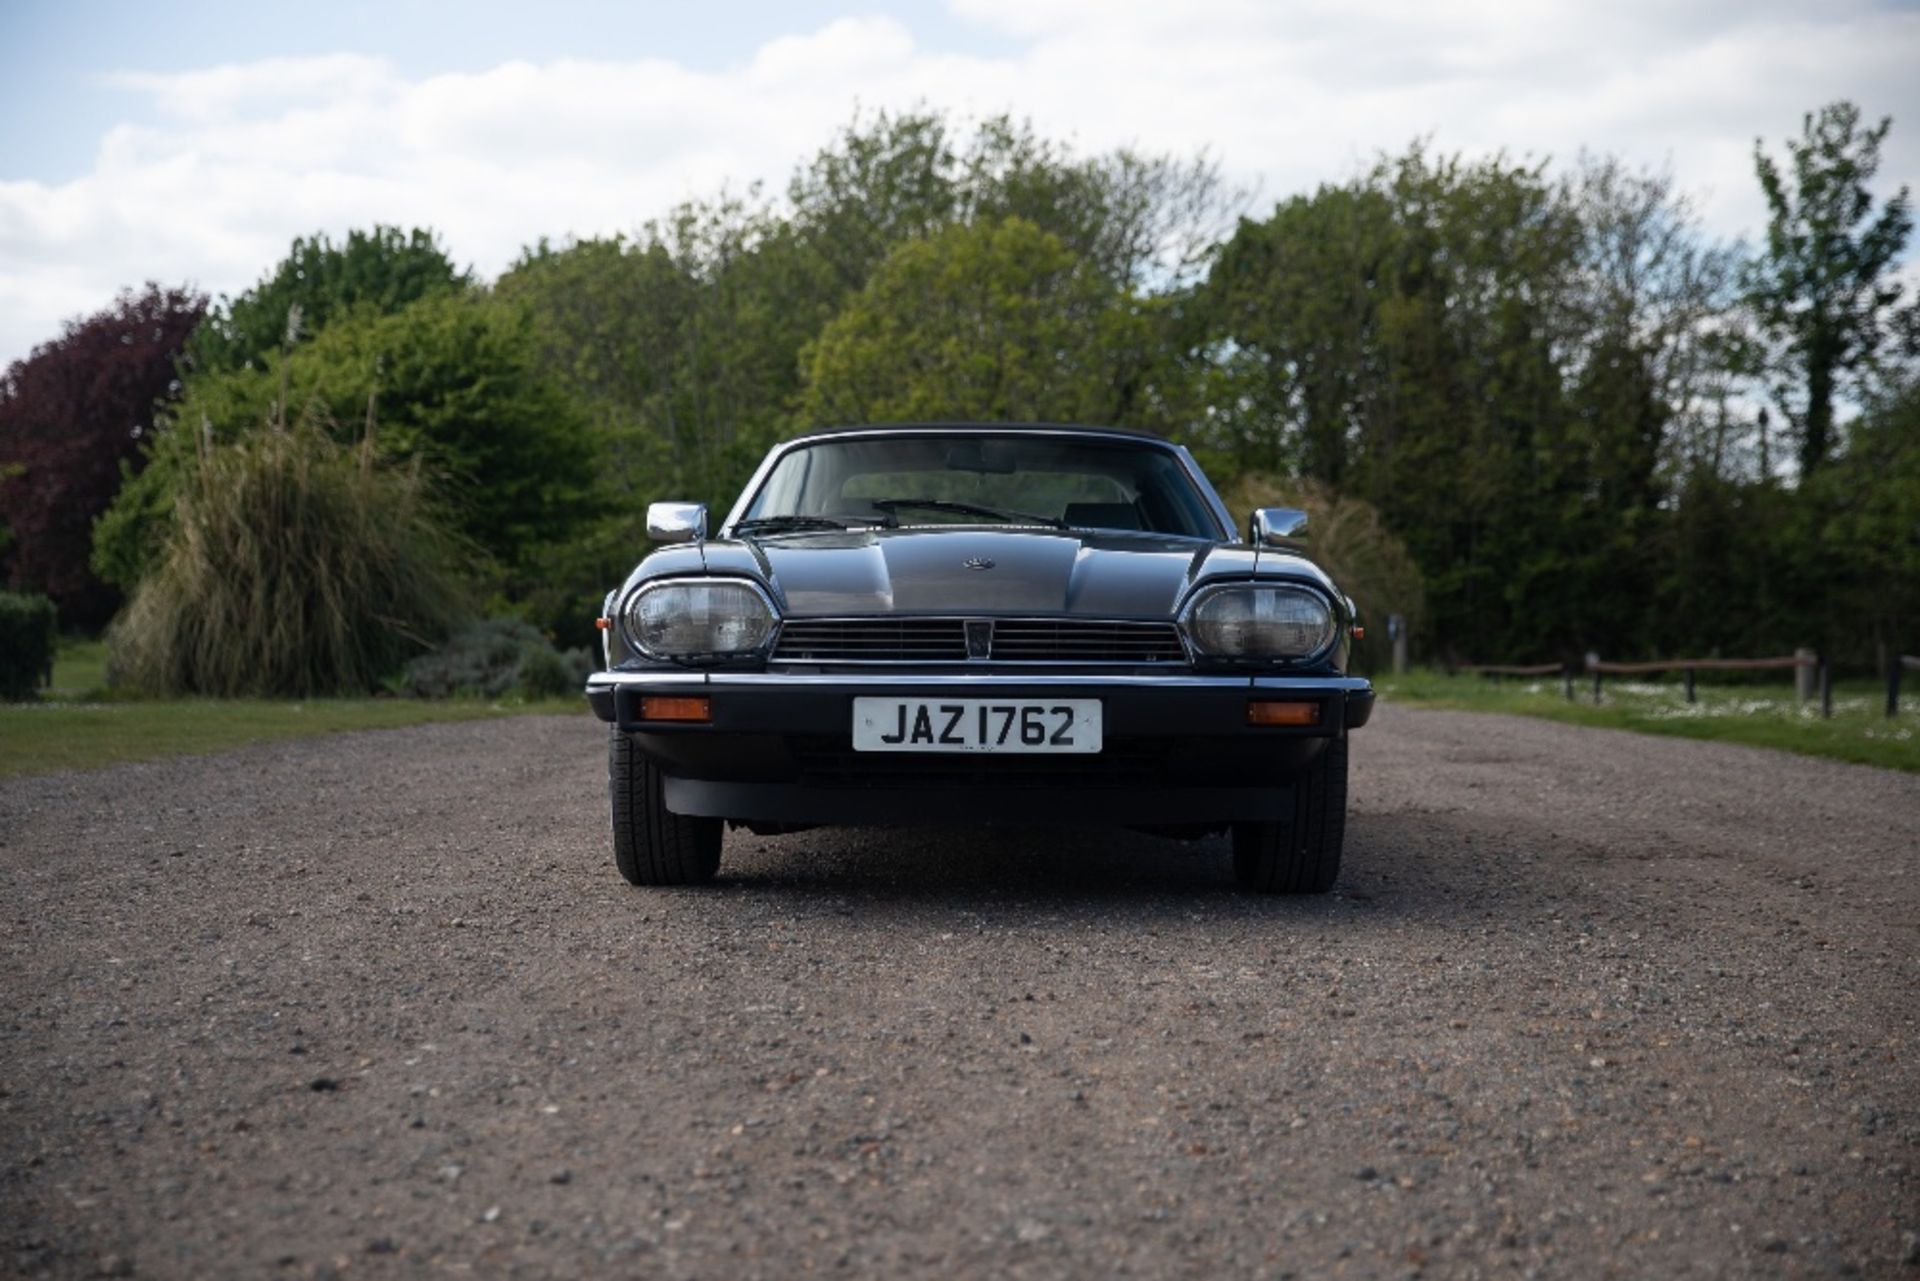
{"x":295,"y":567}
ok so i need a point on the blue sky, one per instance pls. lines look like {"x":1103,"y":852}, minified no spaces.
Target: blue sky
{"x":190,"y":142}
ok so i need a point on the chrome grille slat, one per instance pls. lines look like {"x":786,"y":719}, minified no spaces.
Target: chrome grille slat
{"x":944,"y":640}
{"x":904,"y":640}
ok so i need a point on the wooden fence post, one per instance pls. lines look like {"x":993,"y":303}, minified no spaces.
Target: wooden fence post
{"x":1568,"y":673}
{"x":1803,"y":676}
{"x":1690,"y":697}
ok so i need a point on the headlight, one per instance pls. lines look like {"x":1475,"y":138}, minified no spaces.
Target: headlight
{"x":698,"y":617}
{"x":1260,"y":621}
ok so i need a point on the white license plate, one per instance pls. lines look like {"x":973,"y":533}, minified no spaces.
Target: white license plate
{"x":976,"y":725}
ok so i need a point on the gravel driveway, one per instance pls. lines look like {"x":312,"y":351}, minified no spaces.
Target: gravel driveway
{"x":1584,"y":1004}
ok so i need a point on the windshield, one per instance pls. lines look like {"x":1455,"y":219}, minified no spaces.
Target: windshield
{"x":1012,"y":479}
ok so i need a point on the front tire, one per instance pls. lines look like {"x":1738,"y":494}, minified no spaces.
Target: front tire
{"x":1300,"y":854}
{"x":651,"y":844}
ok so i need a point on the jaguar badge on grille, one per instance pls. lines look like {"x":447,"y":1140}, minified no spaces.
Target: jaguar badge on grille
{"x":978,"y":562}
{"x":979,"y":638}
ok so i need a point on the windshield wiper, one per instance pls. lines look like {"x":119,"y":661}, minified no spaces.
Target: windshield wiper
{"x":887,"y":505}
{"x":777,"y":524}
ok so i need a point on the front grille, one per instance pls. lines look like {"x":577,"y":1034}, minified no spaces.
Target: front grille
{"x":1120,"y":763}
{"x":944,"y":640}
{"x":1022,"y":640}
{"x":872,"y":640}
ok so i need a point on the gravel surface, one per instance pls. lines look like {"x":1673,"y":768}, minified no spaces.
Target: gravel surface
{"x":1584,"y":1004}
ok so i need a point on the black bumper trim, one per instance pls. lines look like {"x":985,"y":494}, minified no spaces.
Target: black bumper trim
{"x":975,"y":806}
{"x":1180,"y":751}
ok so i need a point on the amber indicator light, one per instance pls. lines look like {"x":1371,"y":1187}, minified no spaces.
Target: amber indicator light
{"x":1274,"y":713}
{"x":603,"y":623}
{"x":658,"y":707}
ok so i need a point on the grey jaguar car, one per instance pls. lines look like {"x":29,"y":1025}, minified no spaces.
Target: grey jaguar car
{"x":1023,"y":624}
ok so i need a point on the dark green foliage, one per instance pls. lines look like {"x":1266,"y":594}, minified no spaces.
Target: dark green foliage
{"x":1132,"y":219}
{"x":495,"y":657}
{"x":1539,"y":381}
{"x":27,"y":641}
{"x":1730,"y":581}
{"x":990,"y":322}
{"x":1395,"y":339}
{"x":382,"y":270}
{"x":451,"y":383}
{"x":1857,"y":537}
{"x":1503,"y":364}
{"x":683,"y":349}
{"x":686,"y":343}
{"x":1824,"y":290}
{"x":1529,"y":389}
{"x":294,"y":567}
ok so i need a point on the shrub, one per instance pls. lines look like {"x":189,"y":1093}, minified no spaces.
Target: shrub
{"x":26,"y":644}
{"x":495,"y":657}
{"x":547,"y":673}
{"x":294,"y":567}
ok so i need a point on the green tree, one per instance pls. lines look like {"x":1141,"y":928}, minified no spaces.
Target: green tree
{"x":384,"y":269}
{"x":685,"y":342}
{"x":1651,"y":316}
{"x":1398,"y":338}
{"x":682,"y":344}
{"x":1823,"y":289}
{"x":1136,"y":218}
{"x":1861,"y":529}
{"x":453,"y":383}
{"x":991,"y":322}
{"x":1731,"y":578}
{"x":1502,"y":362}
{"x":1294,"y":301}
{"x":682,"y":347}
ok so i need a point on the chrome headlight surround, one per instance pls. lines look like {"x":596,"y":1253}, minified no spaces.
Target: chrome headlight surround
{"x":679,"y":620}
{"x":1260,"y":622}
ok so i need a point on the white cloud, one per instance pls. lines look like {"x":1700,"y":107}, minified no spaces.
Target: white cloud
{"x":218,"y":92}
{"x":228,"y":164}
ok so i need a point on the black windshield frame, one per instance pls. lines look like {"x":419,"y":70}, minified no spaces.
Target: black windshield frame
{"x":1182,"y":503}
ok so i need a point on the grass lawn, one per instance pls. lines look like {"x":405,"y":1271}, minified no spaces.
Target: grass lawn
{"x":1760,"y":715}
{"x":75,"y":727}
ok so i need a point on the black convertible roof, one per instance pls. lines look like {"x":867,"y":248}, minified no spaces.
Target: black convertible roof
{"x":1125,"y":433}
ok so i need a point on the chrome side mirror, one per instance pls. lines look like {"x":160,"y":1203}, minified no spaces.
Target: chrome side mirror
{"x":677,"y":522}
{"x":1276,"y":526}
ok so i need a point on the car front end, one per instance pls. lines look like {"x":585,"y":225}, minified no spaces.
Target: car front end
{"x":955,"y":669}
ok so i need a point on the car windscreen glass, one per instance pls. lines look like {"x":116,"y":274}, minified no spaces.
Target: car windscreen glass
{"x":1011,"y":479}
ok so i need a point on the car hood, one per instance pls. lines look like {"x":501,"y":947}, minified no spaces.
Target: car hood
{"x":1095,"y":573}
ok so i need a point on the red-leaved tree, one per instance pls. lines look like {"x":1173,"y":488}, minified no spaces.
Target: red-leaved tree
{"x":70,"y":414}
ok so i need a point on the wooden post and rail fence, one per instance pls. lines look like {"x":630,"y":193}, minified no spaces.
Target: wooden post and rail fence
{"x":1810,"y":671}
